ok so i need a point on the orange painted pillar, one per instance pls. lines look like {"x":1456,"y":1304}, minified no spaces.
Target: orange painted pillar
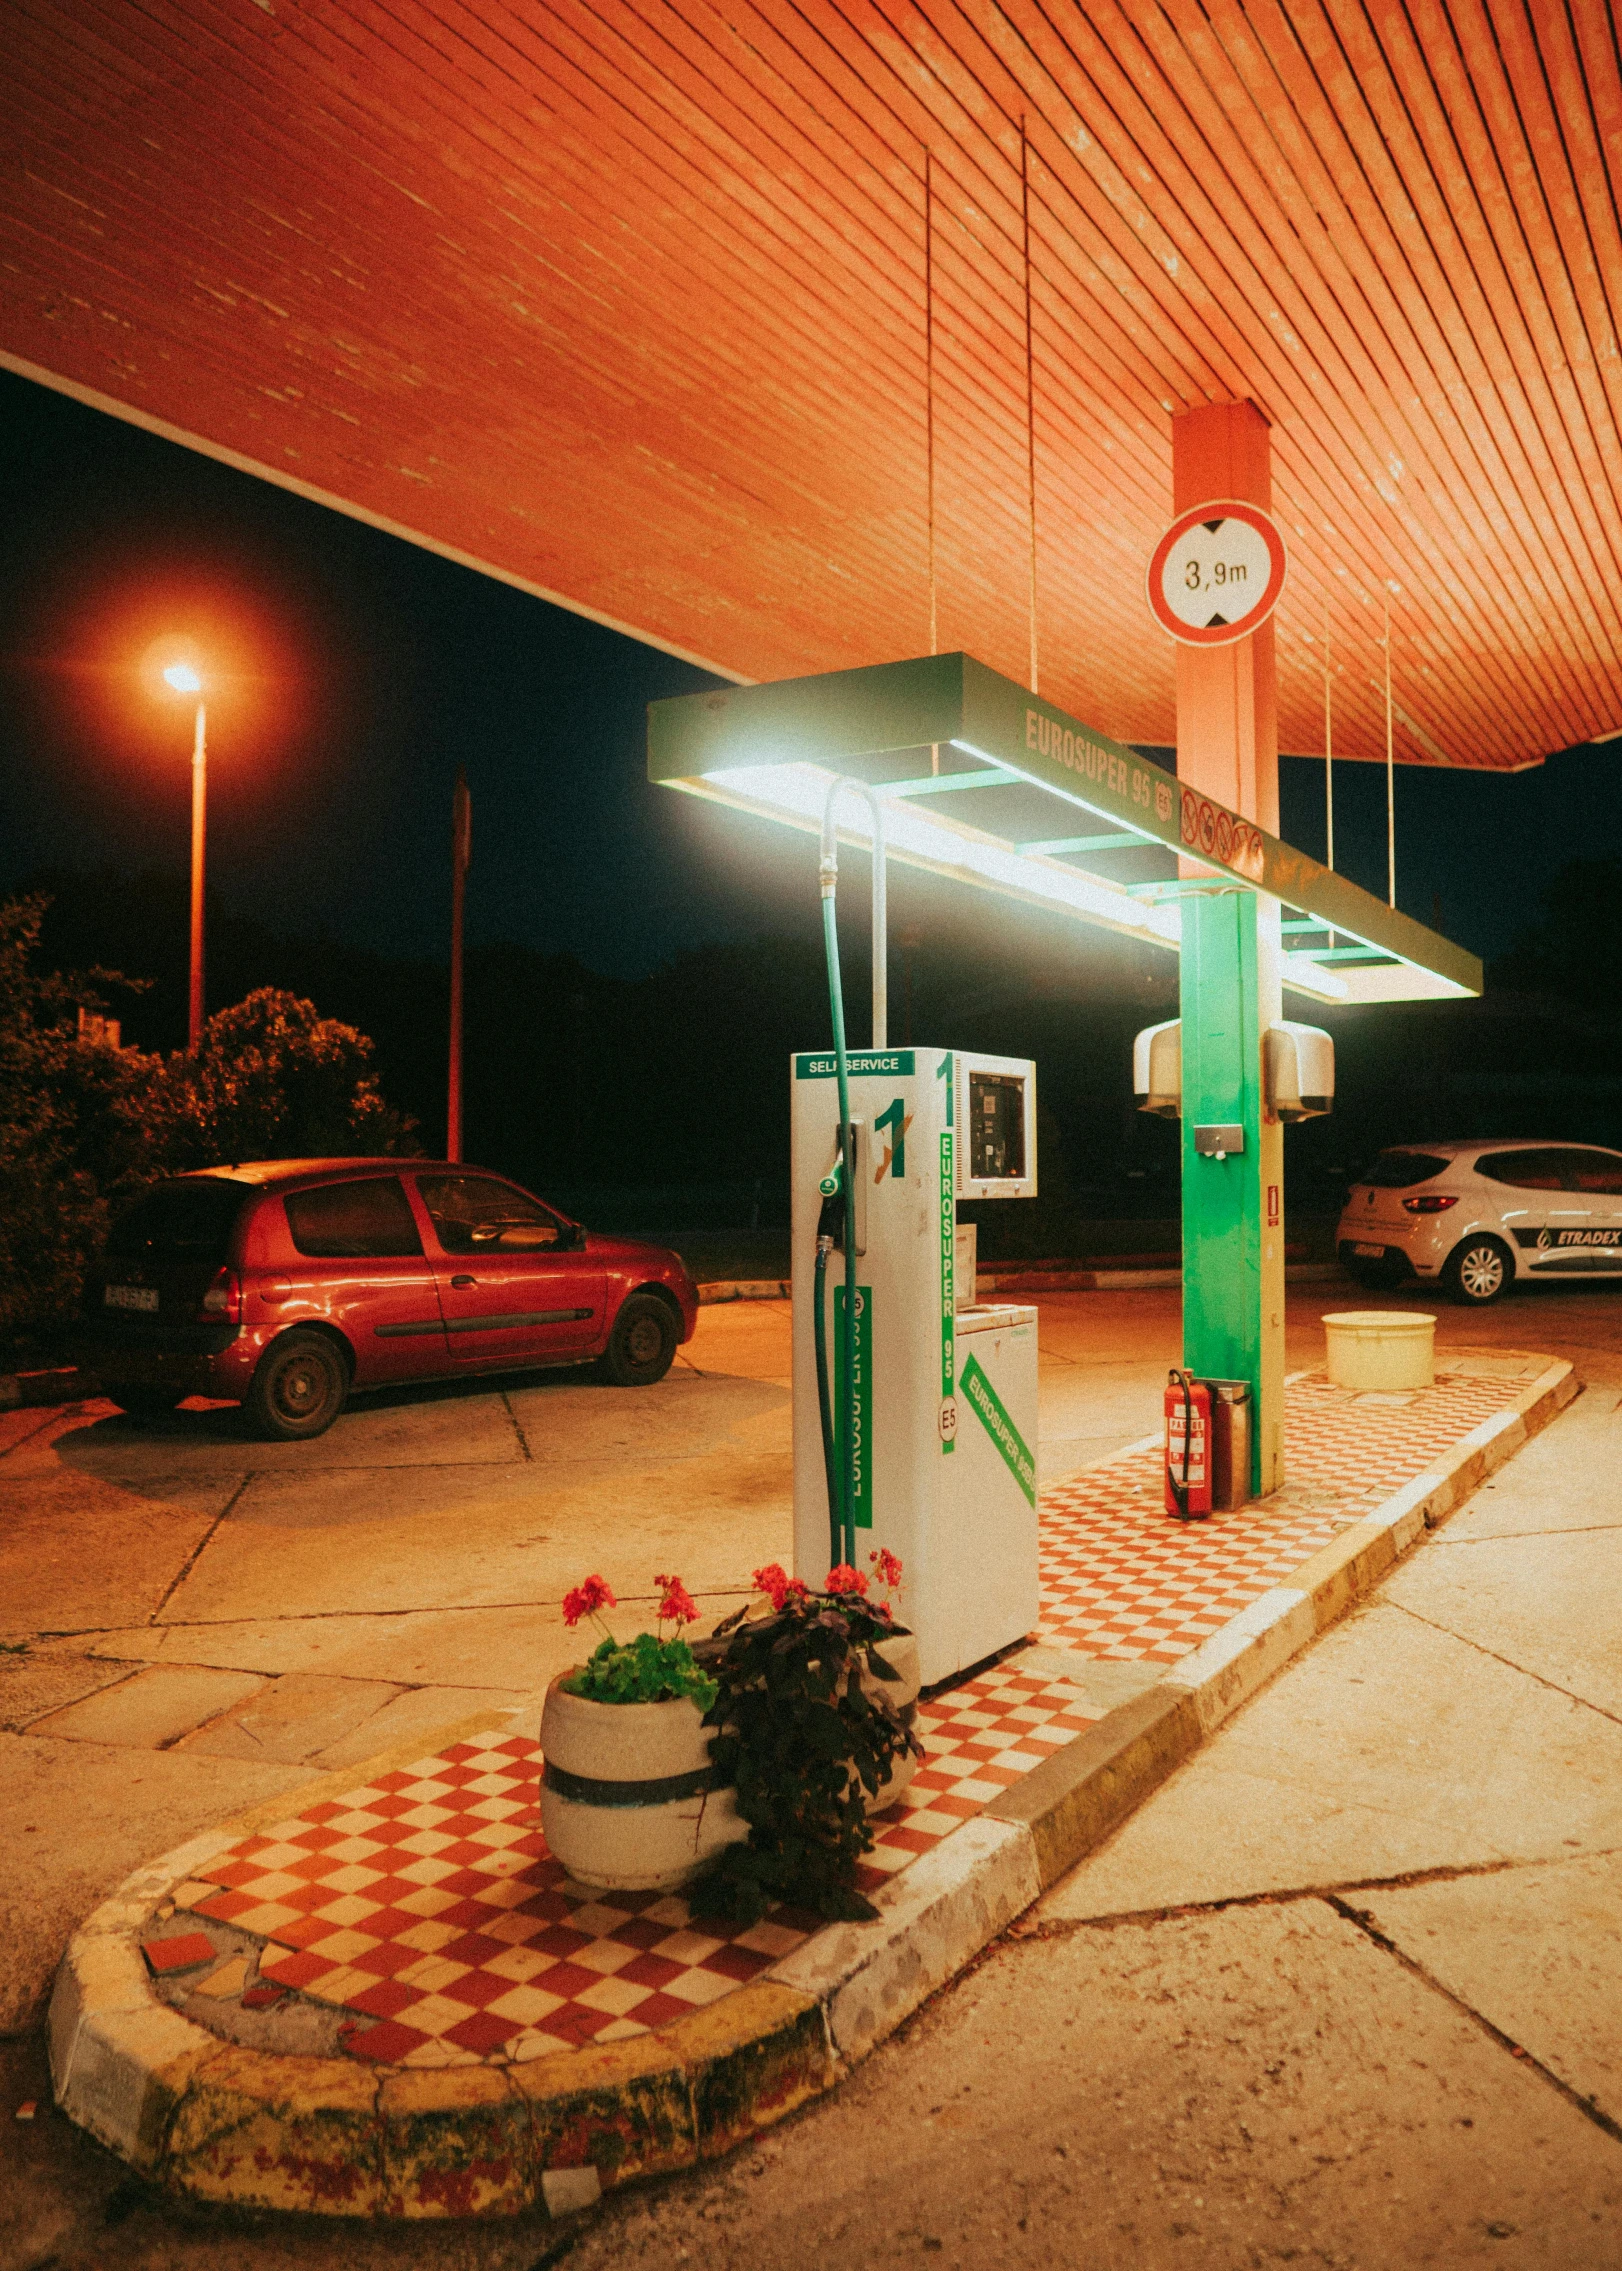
{"x":1227,"y":745}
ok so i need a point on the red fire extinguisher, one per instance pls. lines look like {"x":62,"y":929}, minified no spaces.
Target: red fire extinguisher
{"x":1188,"y":1448}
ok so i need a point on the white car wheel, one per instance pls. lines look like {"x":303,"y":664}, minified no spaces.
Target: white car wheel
{"x":1478,"y":1270}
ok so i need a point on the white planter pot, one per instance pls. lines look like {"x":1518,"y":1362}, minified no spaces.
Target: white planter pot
{"x":625,"y":1801}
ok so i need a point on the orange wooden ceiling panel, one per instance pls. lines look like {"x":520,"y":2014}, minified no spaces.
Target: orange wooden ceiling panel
{"x":624,"y":299}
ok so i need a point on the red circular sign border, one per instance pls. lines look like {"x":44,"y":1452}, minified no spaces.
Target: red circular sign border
{"x":1219,"y":508}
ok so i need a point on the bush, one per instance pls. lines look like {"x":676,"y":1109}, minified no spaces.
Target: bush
{"x":85,"y":1127}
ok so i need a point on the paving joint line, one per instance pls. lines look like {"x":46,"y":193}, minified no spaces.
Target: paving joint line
{"x":517,"y":1428}
{"x":1442,"y":1873}
{"x":1518,"y":2050}
{"x":197,"y":1552}
{"x":1508,"y":1662}
{"x":210,"y":2119}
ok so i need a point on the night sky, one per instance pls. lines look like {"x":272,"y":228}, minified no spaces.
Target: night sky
{"x":360,"y":670}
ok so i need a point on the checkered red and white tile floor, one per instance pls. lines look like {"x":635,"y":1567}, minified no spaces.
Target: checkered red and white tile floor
{"x":426,"y":1908}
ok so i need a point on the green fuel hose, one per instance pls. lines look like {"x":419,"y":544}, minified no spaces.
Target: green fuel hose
{"x":843,"y":1471}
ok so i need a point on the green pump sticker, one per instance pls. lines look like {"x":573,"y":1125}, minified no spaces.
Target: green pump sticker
{"x":992,"y":1414}
{"x":859,"y":1063}
{"x":863,"y":1511}
{"x":948,"y":1243}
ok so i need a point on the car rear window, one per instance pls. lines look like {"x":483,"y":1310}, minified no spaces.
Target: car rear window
{"x":1395,"y":1170}
{"x":370,"y":1220}
{"x":1532,"y":1170}
{"x":179,"y":1222}
{"x":1593,"y":1171}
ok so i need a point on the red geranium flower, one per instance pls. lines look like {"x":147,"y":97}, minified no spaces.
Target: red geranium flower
{"x":677,"y":1602}
{"x":888,"y":1565}
{"x":586,"y":1600}
{"x":775,"y":1582}
{"x":844,"y":1579}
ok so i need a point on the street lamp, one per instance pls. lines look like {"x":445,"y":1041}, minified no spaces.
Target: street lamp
{"x":185,"y":680}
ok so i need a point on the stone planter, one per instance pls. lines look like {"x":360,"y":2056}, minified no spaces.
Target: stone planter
{"x":626,"y":1802}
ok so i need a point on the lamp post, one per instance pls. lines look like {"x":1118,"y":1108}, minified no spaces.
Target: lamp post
{"x":185,"y":680}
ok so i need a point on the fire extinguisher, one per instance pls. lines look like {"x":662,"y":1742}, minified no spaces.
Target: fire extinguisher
{"x":1188,"y":1448}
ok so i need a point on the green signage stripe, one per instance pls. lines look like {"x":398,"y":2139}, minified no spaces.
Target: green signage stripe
{"x":824,"y":1065}
{"x":948,"y":1238}
{"x":993,"y":1416}
{"x":864,"y":1396}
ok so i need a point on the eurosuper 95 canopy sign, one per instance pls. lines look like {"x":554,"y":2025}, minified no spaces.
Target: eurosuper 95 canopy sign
{"x":772,"y":750}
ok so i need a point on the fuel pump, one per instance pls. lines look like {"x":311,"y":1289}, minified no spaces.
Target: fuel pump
{"x":915,"y":1405}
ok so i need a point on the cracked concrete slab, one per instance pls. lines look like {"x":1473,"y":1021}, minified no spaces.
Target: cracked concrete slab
{"x":1256,"y":2088}
{"x":290,"y":1719}
{"x":1538,"y":1952}
{"x":153,"y":1708}
{"x":1390,"y":1748}
{"x":1550,"y":1604}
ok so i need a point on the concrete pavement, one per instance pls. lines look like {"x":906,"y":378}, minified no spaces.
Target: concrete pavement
{"x":101,"y":1803}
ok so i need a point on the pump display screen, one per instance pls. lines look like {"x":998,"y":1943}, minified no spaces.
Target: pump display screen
{"x":996,"y":1126}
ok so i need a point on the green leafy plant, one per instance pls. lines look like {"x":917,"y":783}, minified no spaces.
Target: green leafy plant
{"x":649,"y":1669}
{"x":803,"y":1738}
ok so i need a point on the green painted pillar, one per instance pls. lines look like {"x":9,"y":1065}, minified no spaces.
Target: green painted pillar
{"x":1233,"y":1214}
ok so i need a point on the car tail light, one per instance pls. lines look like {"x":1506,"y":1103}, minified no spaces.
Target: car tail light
{"x":223,"y":1298}
{"x":1431,"y":1202}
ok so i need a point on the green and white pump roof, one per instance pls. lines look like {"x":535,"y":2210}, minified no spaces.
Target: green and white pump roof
{"x":1031,"y":803}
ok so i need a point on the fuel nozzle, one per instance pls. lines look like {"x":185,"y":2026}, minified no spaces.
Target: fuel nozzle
{"x":831,"y":1221}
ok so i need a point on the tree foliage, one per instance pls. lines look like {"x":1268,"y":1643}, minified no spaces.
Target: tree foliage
{"x":84,"y":1127}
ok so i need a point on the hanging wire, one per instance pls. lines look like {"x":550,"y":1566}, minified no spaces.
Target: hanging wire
{"x":929,"y":385}
{"x":1390,"y":773}
{"x":929,"y":414}
{"x":1329,"y":746}
{"x":1030,"y":372}
{"x":1329,"y":752}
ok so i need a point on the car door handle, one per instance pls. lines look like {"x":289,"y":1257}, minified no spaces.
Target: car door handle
{"x":463,"y":1279}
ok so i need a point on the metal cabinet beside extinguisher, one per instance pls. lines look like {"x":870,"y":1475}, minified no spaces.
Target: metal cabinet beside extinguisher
{"x":1207,"y":1446}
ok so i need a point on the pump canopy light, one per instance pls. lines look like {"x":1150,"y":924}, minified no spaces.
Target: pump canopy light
{"x":1037,"y":806}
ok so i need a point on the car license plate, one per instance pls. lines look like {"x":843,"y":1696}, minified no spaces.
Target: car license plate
{"x":131,"y":1297}
{"x":1370,"y":1253}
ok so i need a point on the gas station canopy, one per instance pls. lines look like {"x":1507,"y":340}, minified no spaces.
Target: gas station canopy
{"x":1057,"y":810}
{"x":627,"y":304}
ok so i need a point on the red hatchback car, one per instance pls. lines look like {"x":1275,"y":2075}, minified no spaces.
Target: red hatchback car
{"x":283,"y":1284}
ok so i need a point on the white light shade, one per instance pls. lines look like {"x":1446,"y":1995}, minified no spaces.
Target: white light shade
{"x":182,"y":677}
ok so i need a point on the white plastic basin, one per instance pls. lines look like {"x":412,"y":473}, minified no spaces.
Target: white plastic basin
{"x":1381,"y":1350}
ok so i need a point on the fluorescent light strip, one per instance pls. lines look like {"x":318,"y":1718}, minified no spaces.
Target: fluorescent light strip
{"x":796,"y":792}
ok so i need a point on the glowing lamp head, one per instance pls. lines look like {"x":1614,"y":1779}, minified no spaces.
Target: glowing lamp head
{"x":182,"y":677}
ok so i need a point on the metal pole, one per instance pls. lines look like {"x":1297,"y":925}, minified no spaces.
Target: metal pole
{"x":461,"y":846}
{"x":1390,"y":774}
{"x":1329,"y":747}
{"x":1030,"y":373}
{"x":199,"y":821}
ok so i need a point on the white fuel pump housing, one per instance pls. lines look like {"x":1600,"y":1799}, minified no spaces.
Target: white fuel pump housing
{"x":1157,"y":1069}
{"x":1298,"y":1071}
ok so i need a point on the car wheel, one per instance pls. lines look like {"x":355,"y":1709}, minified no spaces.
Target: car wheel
{"x":299,"y":1389}
{"x":642,"y":1345}
{"x":1479,"y":1270}
{"x":142,"y":1402}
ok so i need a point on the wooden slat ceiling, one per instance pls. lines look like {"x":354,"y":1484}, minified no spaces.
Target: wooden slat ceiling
{"x":625,"y":301}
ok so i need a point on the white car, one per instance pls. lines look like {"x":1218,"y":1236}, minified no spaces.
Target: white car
{"x":1479,"y":1215}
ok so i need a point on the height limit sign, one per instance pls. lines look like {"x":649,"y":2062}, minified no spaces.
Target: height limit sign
{"x":1216,"y":573}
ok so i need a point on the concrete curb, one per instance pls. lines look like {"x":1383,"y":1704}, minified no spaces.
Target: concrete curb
{"x":207,"y":2118}
{"x":66,"y":1384}
{"x":1012,"y":1280}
